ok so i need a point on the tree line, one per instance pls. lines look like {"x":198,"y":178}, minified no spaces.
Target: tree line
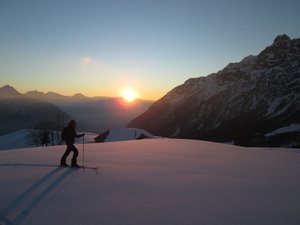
{"x":47,"y":131}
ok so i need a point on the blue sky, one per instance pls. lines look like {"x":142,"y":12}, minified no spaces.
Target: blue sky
{"x":99,"y":47}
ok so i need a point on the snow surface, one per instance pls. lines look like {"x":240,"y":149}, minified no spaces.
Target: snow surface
{"x":18,"y":140}
{"x":294,"y":127}
{"x":14,"y":140}
{"x":152,"y":182}
{"x":275,"y":103}
{"x":125,"y":134}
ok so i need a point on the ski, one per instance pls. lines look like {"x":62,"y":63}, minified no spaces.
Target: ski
{"x":80,"y":167}
{"x":95,"y":169}
{"x":89,"y":167}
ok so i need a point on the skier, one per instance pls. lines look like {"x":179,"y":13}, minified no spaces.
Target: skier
{"x":68,"y":135}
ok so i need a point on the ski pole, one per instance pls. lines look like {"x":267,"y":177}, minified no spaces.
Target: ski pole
{"x":83,"y":151}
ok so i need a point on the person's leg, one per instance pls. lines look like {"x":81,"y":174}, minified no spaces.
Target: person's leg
{"x":75,"y":155}
{"x":65,"y":155}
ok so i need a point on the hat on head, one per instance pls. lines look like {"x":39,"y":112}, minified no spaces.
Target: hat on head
{"x":72,"y":122}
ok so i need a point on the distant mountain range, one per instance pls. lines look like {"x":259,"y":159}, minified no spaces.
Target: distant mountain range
{"x":94,"y":114}
{"x":255,"y":102}
{"x":20,"y":112}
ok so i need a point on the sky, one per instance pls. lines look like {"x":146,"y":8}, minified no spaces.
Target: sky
{"x":98,"y":47}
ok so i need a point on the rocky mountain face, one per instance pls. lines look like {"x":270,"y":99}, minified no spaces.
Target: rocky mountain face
{"x":19,"y":112}
{"x":255,"y":102}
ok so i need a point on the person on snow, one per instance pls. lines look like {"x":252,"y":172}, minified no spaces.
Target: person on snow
{"x":68,"y":135}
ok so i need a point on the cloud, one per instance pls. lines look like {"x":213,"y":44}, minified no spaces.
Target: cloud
{"x":85,"y":61}
{"x":87,"y":64}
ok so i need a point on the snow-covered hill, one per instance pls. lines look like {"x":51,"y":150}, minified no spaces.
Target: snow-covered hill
{"x":123,"y":134}
{"x":153,"y":181}
{"x":245,"y":103}
{"x":19,"y":139}
{"x":14,"y":140}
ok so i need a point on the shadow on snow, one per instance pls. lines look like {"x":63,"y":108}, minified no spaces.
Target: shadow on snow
{"x":32,"y":202}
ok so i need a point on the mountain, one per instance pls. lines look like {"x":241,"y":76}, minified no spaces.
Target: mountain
{"x":151,"y":182}
{"x":8,"y":92}
{"x":54,"y":97}
{"x":255,"y":102}
{"x":98,"y":115}
{"x":47,"y":97}
{"x":95,"y":114}
{"x":79,"y":96}
{"x":21,"y":112}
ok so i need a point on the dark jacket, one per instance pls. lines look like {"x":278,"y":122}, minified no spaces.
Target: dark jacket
{"x":71,"y":135}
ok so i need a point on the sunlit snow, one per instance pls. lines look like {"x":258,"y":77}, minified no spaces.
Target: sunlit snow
{"x":151,"y":182}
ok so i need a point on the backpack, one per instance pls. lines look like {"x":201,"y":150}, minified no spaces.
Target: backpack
{"x":65,"y":134}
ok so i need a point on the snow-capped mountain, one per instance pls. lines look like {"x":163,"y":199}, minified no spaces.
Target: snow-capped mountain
{"x":245,"y":103}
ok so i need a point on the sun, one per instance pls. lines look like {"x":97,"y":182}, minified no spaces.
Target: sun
{"x":129,"y":94}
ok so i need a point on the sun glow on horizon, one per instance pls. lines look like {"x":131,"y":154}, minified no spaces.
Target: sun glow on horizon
{"x":129,"y":94}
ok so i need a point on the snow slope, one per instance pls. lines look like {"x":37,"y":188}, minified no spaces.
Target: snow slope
{"x":14,"y":140}
{"x":18,"y":139}
{"x":152,"y":182}
{"x":123,"y":134}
